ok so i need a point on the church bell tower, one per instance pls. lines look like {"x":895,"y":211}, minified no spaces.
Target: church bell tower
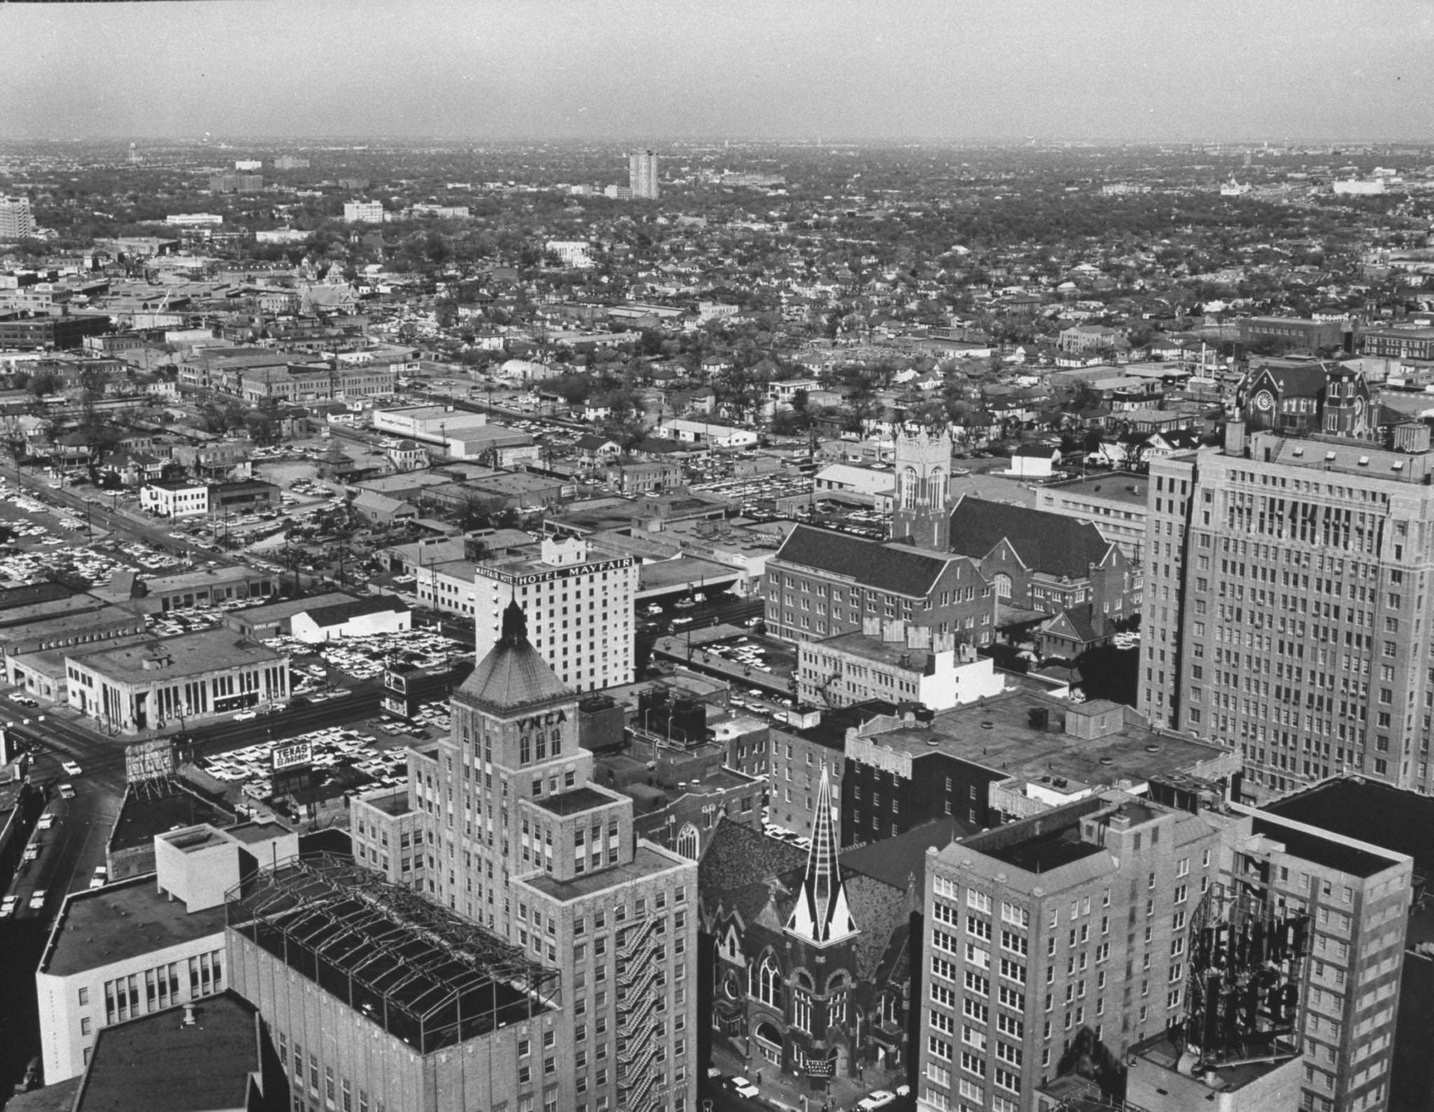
{"x":922,"y":510}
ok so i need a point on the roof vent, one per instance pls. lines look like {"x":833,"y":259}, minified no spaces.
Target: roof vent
{"x":1363,"y":461}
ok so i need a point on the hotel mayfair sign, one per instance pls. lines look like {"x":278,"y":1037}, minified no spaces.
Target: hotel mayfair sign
{"x":564,"y":573}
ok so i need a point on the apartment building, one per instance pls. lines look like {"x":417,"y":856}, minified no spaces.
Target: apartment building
{"x":1073,"y":919}
{"x":363,"y":212}
{"x":1239,"y":934}
{"x":16,"y":220}
{"x":516,"y":838}
{"x":1288,"y":601}
{"x":581,"y":608}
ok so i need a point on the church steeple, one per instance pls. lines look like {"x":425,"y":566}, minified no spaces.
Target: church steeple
{"x":921,"y":511}
{"x":821,"y":915}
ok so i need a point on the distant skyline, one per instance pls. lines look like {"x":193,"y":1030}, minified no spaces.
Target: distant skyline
{"x":651,"y":71}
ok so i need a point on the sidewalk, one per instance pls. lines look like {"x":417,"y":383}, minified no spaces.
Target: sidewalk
{"x":800,"y":1094}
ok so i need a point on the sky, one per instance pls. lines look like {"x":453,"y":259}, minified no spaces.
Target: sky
{"x":635,"y":70}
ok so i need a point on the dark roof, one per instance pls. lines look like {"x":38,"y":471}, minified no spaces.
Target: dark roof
{"x":1384,"y":816}
{"x":514,"y":675}
{"x":1322,"y":851}
{"x":1302,"y":380}
{"x":339,"y":612}
{"x":1045,"y":542}
{"x":738,"y":865}
{"x":894,"y":860}
{"x":886,"y":567}
{"x":156,"y":1064}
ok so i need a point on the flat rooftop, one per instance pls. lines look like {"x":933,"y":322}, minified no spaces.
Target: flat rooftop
{"x":252,"y":833}
{"x":1323,"y":851}
{"x":1384,"y":816}
{"x":191,"y":654}
{"x":141,"y":819}
{"x":575,"y":801}
{"x":122,"y":921}
{"x":155,"y":1063}
{"x":1117,"y":486}
{"x":997,"y":733}
{"x":646,"y":862}
{"x":1160,"y":1050}
{"x":206,"y":577}
{"x":874,"y":649}
{"x":682,"y":572}
{"x":390,"y":802}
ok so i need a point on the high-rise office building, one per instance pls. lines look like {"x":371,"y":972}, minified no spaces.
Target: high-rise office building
{"x":642,"y":175}
{"x":1288,"y":602}
{"x":15,"y":219}
{"x":516,"y":838}
{"x":1240,"y":936}
{"x":1042,"y":927}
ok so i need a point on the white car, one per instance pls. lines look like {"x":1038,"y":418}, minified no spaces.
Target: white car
{"x":100,"y":878}
{"x":246,"y":715}
{"x":879,"y":1099}
{"x":47,"y":820}
{"x":7,"y":906}
{"x":37,"y":900}
{"x":67,"y":790}
{"x":71,"y":768}
{"x":743,"y":1088}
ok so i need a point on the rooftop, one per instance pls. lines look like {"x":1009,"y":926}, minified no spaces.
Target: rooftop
{"x":190,"y":654}
{"x":896,"y":568}
{"x":157,"y":1064}
{"x":252,"y":833}
{"x":998,"y":733}
{"x":1319,"y":850}
{"x":426,"y":977}
{"x":140,"y":819}
{"x":1046,"y":542}
{"x":1115,"y":486}
{"x":575,"y":801}
{"x":646,"y":861}
{"x":119,"y":922}
{"x":1396,"y":820}
{"x":393,"y":801}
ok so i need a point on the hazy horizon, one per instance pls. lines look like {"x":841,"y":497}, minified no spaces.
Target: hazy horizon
{"x":1107,"y":72}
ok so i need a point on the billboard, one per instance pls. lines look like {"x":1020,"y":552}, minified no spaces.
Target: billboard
{"x":293,"y":754}
{"x":149,"y":760}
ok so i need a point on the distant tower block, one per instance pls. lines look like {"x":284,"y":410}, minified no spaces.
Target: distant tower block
{"x":922,"y":510}
{"x":642,"y":175}
{"x":133,"y":155}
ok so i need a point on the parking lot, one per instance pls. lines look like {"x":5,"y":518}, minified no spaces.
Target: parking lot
{"x":377,"y":753}
{"x":362,"y":658}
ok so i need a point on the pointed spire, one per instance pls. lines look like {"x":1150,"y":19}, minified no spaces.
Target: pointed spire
{"x":515,"y":625}
{"x":821,"y":915}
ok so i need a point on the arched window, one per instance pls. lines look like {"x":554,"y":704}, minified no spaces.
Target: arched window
{"x":688,"y":841}
{"x":837,"y":986}
{"x":769,"y":982}
{"x":1002,"y":582}
{"x":936,"y":487}
{"x":909,"y":484}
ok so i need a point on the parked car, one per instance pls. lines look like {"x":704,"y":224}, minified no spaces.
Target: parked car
{"x":37,"y":900}
{"x":246,"y":715}
{"x":66,"y":790}
{"x":100,"y":877}
{"x":71,"y":768}
{"x":879,"y":1099}
{"x":7,"y":906}
{"x":47,"y":820}
{"x":742,"y":1087}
